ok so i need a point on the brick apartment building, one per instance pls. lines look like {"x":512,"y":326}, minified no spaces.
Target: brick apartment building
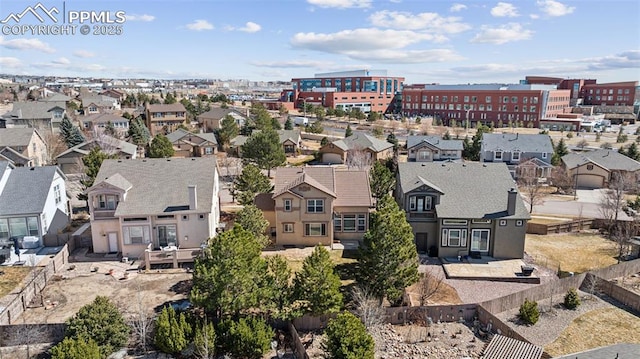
{"x":366,"y":90}
{"x":524,"y":104}
{"x":589,"y":92}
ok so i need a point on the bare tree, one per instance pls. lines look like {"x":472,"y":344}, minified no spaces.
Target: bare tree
{"x":367,"y":307}
{"x":561,"y":180}
{"x":359,"y":159}
{"x":428,"y":285}
{"x":613,"y":199}
{"x":53,"y":143}
{"x":140,"y":321}
{"x":621,"y":235}
{"x":591,"y":283}
{"x":532,"y":189}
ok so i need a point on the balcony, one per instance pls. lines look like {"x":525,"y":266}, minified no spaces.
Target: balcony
{"x":175,"y":256}
{"x":103,"y":214}
{"x":422,"y":215}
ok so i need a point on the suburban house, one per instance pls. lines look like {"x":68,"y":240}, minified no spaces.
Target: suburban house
{"x":37,"y":114}
{"x":290,"y":140}
{"x":23,"y":147}
{"x":433,"y":148}
{"x":33,"y":201}
{"x":210,"y":120}
{"x":358,"y":144}
{"x":161,"y":118}
{"x":70,"y":161}
{"x":318,"y":204}
{"x":515,"y":149}
{"x":458,"y":209}
{"x":117,"y":94}
{"x":154,"y":204}
{"x":93,"y":104}
{"x":187,"y":144}
{"x":595,"y":169}
{"x":100,"y":120}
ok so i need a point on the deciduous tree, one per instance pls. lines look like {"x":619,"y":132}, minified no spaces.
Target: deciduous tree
{"x":317,"y":285}
{"x":532,"y":189}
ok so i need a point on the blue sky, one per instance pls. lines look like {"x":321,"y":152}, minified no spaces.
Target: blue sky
{"x":445,"y":42}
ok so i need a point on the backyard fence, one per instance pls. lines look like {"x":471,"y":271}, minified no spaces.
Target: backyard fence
{"x":563,"y":227}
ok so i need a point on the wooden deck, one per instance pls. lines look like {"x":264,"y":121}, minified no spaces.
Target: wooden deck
{"x":173,"y":256}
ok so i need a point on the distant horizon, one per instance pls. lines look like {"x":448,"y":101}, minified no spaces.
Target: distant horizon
{"x":473,"y":41}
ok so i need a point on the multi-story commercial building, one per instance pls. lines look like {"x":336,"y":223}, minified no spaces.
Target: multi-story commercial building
{"x":589,"y":92}
{"x":366,"y":90}
{"x":485,"y":103}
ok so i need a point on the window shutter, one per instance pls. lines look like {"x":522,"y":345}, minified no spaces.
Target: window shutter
{"x":463,"y":238}
{"x":444,"y":238}
{"x":125,"y":234}
{"x":146,"y":235}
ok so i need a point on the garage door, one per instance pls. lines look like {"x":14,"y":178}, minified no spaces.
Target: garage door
{"x":590,"y":181}
{"x":331,"y":158}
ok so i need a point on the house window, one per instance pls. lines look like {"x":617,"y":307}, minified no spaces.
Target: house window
{"x":589,"y":167}
{"x":106,"y":201}
{"x":287,"y":205}
{"x":56,"y":194}
{"x":337,"y":223}
{"x":185,"y":217}
{"x":4,"y":229}
{"x":515,"y":156}
{"x":503,"y":222}
{"x":455,"y":222}
{"x":315,"y":229}
{"x":208,"y":150}
{"x":287,"y":227}
{"x":480,"y":240}
{"x":136,"y":234}
{"x":424,"y":155}
{"x":454,"y":237}
{"x":519,"y":223}
{"x":315,"y":205}
{"x":201,"y":217}
{"x":482,"y":221}
{"x":497,"y":155}
{"x":362,"y":223}
{"x":420,"y":203}
{"x":544,"y":155}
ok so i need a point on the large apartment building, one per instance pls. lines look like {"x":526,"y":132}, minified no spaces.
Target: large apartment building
{"x":485,"y":103}
{"x":365,"y":90}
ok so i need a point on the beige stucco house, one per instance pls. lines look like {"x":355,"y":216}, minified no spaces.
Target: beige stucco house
{"x":290,"y":140}
{"x":23,"y":147}
{"x":594,"y":169}
{"x":456,"y":209}
{"x":154,"y":204}
{"x":433,"y":148}
{"x":187,"y":144}
{"x":317,"y":205}
{"x":356,"y":145}
{"x":161,"y":118}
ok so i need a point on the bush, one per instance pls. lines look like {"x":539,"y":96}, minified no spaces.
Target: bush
{"x":529,"y":312}
{"x":569,"y":135}
{"x":347,"y":338}
{"x":246,"y":338}
{"x":172,"y":331}
{"x":76,"y":349}
{"x":571,"y":299}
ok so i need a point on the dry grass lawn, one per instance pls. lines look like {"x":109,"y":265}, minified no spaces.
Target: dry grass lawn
{"x":11,"y":277}
{"x":597,"y":328}
{"x":548,"y":220}
{"x":573,"y":252}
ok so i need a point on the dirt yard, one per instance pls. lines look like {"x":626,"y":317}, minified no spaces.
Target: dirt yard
{"x":573,"y":252}
{"x":631,"y":282}
{"x":74,"y":288}
{"x":11,"y":277}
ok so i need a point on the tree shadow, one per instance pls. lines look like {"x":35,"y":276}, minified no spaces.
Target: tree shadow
{"x":182,"y":287}
{"x":346,"y":271}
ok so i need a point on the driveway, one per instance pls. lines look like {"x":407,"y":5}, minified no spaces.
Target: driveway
{"x":586,"y":205}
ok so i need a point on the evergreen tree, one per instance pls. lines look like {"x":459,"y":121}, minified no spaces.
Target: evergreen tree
{"x":288,"y":124}
{"x":204,"y":339}
{"x":172,"y":331}
{"x":632,"y":152}
{"x":92,"y":163}
{"x":264,"y":150}
{"x":228,"y":130}
{"x":71,"y":135}
{"x":472,"y":151}
{"x":248,"y":338}
{"x":161,"y":147}
{"x":324,"y":141}
{"x":278,"y":282}
{"x":110,"y":130}
{"x":381,"y":180}
{"x":170,"y":99}
{"x":252,"y":219}
{"x":101,"y":321}
{"x":347,"y":338}
{"x":84,"y":348}
{"x":317,"y":284}
{"x":138,"y":132}
{"x":394,"y":140}
{"x":560,"y":151}
{"x":446,"y":136}
{"x":388,"y":260}
{"x":348,"y":132}
{"x":250,"y":183}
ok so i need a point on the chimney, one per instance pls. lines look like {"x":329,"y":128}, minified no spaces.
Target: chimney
{"x":193,"y":198}
{"x":511,"y":201}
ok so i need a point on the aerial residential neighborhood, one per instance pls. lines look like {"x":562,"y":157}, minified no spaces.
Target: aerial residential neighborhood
{"x":441,"y":180}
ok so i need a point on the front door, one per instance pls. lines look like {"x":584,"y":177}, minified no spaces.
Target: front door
{"x":421,"y":242}
{"x":167,"y":235}
{"x":113,"y":242}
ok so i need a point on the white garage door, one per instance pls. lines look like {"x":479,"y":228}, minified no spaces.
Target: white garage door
{"x":590,"y":181}
{"x":331,"y":158}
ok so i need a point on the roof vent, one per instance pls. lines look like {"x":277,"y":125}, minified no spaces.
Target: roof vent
{"x":32,"y":169}
{"x":484,"y":165}
{"x":443,"y":165}
{"x":193,"y":159}
{"x":423,"y":165}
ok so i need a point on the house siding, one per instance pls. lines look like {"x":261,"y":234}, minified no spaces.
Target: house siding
{"x":504,"y":245}
{"x":299,"y":217}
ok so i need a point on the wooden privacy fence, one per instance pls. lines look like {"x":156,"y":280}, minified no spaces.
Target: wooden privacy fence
{"x":562,"y":227}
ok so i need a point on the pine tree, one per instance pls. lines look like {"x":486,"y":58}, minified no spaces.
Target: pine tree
{"x":348,"y":132}
{"x":381,"y":180}
{"x":138,"y":133}
{"x":391,"y":138}
{"x":172,"y":331}
{"x":279,"y":283}
{"x":110,"y":130}
{"x":264,"y":150}
{"x":560,"y":151}
{"x":204,"y":339}
{"x":250,"y":183}
{"x":228,"y":130}
{"x":76,"y":349}
{"x":71,"y":135}
{"x":92,"y":163}
{"x":347,"y":338}
{"x":632,"y":152}
{"x":317,"y":284}
{"x":161,"y":147}
{"x":252,"y":219}
{"x":248,"y":338}
{"x":288,"y":125}
{"x":388,"y":260}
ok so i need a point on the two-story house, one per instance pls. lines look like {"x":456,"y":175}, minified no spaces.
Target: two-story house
{"x":456,"y":209}
{"x":37,"y":114}
{"x":290,"y":140}
{"x":100,"y":120}
{"x":340,"y":151}
{"x":433,"y":148}
{"x":23,"y":147}
{"x":33,"y":201}
{"x":524,"y":153}
{"x":154,"y":204}
{"x":187,"y":144}
{"x":93,"y":104}
{"x":70,"y":161}
{"x":161,"y":118}
{"x":317,"y":205}
{"x":210,"y":120}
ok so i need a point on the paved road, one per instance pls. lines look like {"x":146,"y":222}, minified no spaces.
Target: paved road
{"x":587,"y":205}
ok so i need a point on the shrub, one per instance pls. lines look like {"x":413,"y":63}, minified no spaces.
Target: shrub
{"x":246,"y":338}
{"x":76,"y":349}
{"x":347,"y":338}
{"x":569,"y":135}
{"x":172,"y":331}
{"x":529,"y":312}
{"x":571,"y":299}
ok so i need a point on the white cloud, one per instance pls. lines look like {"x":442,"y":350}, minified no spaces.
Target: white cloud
{"x":457,"y":7}
{"x":61,"y":61}
{"x":554,"y":8}
{"x":502,"y":34}
{"x":143,"y":17}
{"x":290,"y":63}
{"x":200,"y":25}
{"x":534,"y":16}
{"x":83,"y":53}
{"x":250,"y":27}
{"x":504,"y":9}
{"x":10,"y":62}
{"x":429,"y":21}
{"x":26,"y":44}
{"x":407,"y":57}
{"x":341,"y":4}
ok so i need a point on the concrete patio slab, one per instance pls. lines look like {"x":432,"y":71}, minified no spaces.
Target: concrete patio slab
{"x":488,"y":268}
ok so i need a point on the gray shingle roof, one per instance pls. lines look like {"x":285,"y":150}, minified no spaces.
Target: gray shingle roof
{"x":57,"y":97}
{"x":14,"y":137}
{"x":609,"y":159}
{"x":101,"y":118}
{"x":181,"y":133}
{"x":99,"y":100}
{"x":106,"y":143}
{"x":26,"y":190}
{"x":32,"y":110}
{"x":360,"y":141}
{"x":217,"y":113}
{"x":435,"y":141}
{"x":516,"y":142}
{"x":292,"y":135}
{"x":174,"y":107}
{"x":161,"y":185}
{"x":471,"y":190}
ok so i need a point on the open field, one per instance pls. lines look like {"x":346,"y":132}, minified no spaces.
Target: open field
{"x":597,"y":328}
{"x":11,"y":277}
{"x":573,"y":252}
